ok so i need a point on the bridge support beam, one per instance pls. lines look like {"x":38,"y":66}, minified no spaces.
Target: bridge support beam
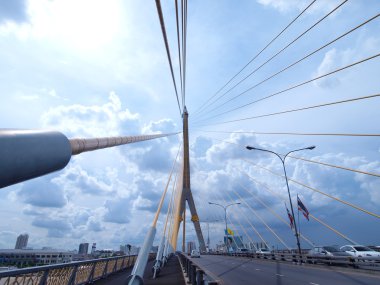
{"x":136,"y":277}
{"x":159,"y":258}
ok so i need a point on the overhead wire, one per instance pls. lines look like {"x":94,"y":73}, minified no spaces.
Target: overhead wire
{"x":184,"y":44}
{"x":244,"y":230}
{"x":318,"y":191}
{"x":227,"y":218}
{"x":316,"y":162}
{"x":312,"y":216}
{"x":166,"y":189}
{"x":273,"y":212}
{"x":299,"y":60}
{"x":261,"y":219}
{"x":166,"y":229}
{"x":293,"y":87}
{"x":283,"y":49}
{"x":298,"y":109}
{"x":163,"y":29}
{"x":262,"y":50}
{"x":254,"y":229}
{"x":293,"y":133}
{"x":179,"y":48}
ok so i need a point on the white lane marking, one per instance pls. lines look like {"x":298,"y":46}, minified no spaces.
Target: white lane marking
{"x":257,"y":269}
{"x":279,"y":274}
{"x":314,"y":283}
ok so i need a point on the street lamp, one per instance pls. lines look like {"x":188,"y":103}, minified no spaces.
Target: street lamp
{"x":225,"y":216}
{"x":287,"y":184}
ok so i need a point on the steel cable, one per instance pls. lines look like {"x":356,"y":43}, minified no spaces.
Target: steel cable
{"x":294,"y":86}
{"x":263,"y":49}
{"x":297,"y":110}
{"x":298,"y":61}
{"x":161,"y":16}
{"x":312,"y":216}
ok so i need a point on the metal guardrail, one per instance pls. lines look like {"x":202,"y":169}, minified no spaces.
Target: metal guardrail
{"x":368,"y":263}
{"x":74,"y":273}
{"x":195,"y":274}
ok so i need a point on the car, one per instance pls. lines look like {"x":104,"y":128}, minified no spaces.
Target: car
{"x":195,"y":253}
{"x":242,"y":250}
{"x":360,"y":251}
{"x":323,"y":253}
{"x":326,"y":253}
{"x":264,"y":251}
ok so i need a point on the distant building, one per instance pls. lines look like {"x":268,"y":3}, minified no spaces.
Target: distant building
{"x":31,"y":257}
{"x":93,"y":248}
{"x":22,"y":241}
{"x":83,"y":248}
{"x":134,"y":250}
{"x":190,"y":246}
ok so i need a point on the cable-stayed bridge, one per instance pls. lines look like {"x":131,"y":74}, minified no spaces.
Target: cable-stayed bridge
{"x":29,"y":154}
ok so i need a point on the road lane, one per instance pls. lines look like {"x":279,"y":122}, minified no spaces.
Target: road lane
{"x":238,"y":270}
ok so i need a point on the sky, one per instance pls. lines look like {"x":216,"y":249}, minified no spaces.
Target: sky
{"x":99,"y":68}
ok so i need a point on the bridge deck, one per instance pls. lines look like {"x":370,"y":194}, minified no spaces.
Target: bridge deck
{"x":171,"y":274}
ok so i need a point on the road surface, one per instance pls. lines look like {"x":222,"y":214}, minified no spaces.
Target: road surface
{"x":240,"y":270}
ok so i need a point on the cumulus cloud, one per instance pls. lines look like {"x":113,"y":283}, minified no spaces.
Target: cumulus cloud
{"x":335,"y":58}
{"x":233,"y":149}
{"x":42,"y":192}
{"x":117,"y":210}
{"x":158,"y":154}
{"x":329,"y":63}
{"x":368,"y":183}
{"x":76,"y":179}
{"x":108,"y":119}
{"x":56,"y":227}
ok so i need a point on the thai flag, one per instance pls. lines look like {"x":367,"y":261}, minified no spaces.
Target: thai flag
{"x":290,"y":217}
{"x":302,"y":208}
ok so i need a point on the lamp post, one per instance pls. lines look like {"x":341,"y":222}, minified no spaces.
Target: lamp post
{"x":287,"y":184}
{"x":225,"y":216}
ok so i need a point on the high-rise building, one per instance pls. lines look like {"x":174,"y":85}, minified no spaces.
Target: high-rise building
{"x":190,"y":246}
{"x":83,"y":248}
{"x":93,"y":248}
{"x":22,"y":241}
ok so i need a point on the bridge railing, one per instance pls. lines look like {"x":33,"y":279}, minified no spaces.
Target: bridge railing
{"x":368,"y":263}
{"x":196,"y":274}
{"x":74,"y":273}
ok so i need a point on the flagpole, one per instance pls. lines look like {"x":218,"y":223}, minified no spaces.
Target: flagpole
{"x":298,"y":214}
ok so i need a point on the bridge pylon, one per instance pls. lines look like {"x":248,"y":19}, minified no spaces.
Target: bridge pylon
{"x":186,"y":194}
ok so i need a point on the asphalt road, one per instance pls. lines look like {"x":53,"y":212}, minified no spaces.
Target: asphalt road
{"x":239,"y":270}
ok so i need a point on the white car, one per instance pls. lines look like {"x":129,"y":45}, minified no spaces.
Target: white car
{"x":360,"y":251}
{"x":195,"y":253}
{"x":264,"y":251}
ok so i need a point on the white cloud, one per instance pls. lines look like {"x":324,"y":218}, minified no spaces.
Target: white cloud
{"x":108,"y":119}
{"x":43,"y":192}
{"x":117,"y":210}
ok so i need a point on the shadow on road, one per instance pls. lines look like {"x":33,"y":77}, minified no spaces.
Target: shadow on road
{"x":233,"y":268}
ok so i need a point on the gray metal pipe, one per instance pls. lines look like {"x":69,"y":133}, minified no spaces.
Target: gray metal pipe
{"x":83,"y":145}
{"x":27,"y":154}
